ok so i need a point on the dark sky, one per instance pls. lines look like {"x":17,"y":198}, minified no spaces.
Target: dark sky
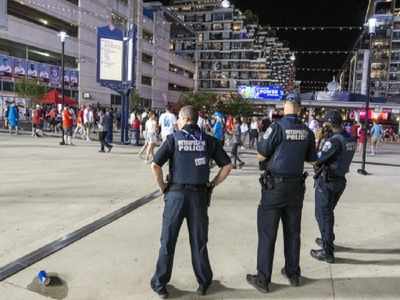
{"x":312,"y":13}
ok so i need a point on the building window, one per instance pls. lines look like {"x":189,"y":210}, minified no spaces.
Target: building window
{"x":76,"y":2}
{"x":37,"y":17}
{"x":178,"y":88}
{"x":116,"y":100}
{"x":8,"y":86}
{"x":147,"y":80}
{"x":119,"y":21}
{"x":148,"y":59}
{"x":148,"y":37}
{"x":145,"y":103}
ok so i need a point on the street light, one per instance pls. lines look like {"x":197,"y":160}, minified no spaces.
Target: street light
{"x":63,"y":36}
{"x":293,"y":57}
{"x":225,"y":4}
{"x":371,"y":31}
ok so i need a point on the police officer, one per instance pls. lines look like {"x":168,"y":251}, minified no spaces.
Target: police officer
{"x":188,"y":151}
{"x":333,"y":163}
{"x":284,"y":148}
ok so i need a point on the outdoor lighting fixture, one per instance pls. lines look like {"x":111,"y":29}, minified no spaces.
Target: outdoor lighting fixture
{"x":372,"y":25}
{"x":225,"y":4}
{"x":293,"y":57}
{"x":63,"y":36}
{"x":45,"y":22}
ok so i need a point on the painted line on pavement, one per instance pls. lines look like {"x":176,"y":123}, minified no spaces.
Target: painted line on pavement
{"x":59,"y":244}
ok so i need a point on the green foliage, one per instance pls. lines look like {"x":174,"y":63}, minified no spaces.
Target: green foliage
{"x":237,"y":106}
{"x":210,"y":103}
{"x":134,"y":101}
{"x":201,"y":101}
{"x":28,"y":88}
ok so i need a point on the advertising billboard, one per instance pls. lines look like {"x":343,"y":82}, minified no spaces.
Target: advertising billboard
{"x":271,"y":92}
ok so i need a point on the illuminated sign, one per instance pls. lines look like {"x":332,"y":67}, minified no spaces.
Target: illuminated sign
{"x":111,"y":53}
{"x":261,"y":92}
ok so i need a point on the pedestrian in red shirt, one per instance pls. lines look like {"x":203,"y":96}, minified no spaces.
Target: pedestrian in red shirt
{"x":67,"y":125}
{"x":136,"y":131}
{"x":36,"y":121}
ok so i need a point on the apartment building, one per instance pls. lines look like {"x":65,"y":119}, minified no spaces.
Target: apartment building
{"x":28,"y":39}
{"x":231,"y":50}
{"x":384,"y":56}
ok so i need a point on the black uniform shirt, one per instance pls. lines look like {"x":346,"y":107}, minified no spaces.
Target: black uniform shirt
{"x":214,"y":149}
{"x":274,"y":136}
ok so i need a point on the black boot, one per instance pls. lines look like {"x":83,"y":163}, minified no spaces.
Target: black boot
{"x":259,"y":284}
{"x":320,"y":243}
{"x":293,"y":280}
{"x":202,"y":290}
{"x":163,"y":293}
{"x":323,"y":256}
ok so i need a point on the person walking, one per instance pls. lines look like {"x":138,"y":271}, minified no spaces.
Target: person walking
{"x":36,"y":121}
{"x":167,"y":122}
{"x":187,"y":196}
{"x":151,"y":137}
{"x":135,"y":130}
{"x":102,"y":127}
{"x":67,"y":124}
{"x":13,"y":118}
{"x":244,"y":129}
{"x":236,"y":142}
{"x":282,"y":151}
{"x":254,"y":130}
{"x":331,"y":167}
{"x":376,"y":136}
{"x":88,"y":121}
{"x":80,"y":127}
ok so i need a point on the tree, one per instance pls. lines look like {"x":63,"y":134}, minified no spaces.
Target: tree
{"x":201,"y":101}
{"x":237,"y":106}
{"x":251,"y":17}
{"x":29,"y":88}
{"x":134,"y":101}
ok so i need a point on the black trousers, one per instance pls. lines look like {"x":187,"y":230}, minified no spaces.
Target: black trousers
{"x":327,"y":195}
{"x":284,"y":202}
{"x":253,"y":138}
{"x":103,"y":142}
{"x":235,"y":153}
{"x":192,"y":206}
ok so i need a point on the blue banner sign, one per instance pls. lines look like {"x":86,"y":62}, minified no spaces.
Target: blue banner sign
{"x":270,"y":92}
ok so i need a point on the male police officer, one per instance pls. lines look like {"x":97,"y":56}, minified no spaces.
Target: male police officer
{"x":188,"y":151}
{"x":332,"y":165}
{"x":284,"y":148}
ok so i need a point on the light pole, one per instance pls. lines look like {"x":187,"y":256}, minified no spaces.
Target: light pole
{"x":63,"y":36}
{"x":371,"y":31}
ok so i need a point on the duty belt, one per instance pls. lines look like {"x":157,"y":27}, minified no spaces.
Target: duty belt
{"x":188,"y":187}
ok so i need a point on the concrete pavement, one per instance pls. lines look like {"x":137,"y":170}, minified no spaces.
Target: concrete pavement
{"x":117,"y":261}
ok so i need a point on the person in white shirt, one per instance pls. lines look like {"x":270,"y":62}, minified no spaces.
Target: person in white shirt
{"x":151,"y":138}
{"x":88,"y":121}
{"x":244,"y":128}
{"x":167,"y":123}
{"x":314,"y":125}
{"x":254,"y":131}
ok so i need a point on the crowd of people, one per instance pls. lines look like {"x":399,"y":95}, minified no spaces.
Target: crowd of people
{"x":151,"y":127}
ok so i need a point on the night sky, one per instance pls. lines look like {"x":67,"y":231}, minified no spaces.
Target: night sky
{"x":311,"y":13}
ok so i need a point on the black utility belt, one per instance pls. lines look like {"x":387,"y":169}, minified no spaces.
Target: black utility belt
{"x":188,"y":187}
{"x":279,"y":179}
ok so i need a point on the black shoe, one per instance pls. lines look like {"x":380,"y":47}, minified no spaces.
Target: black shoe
{"x":322,"y":256}
{"x":109,"y":148}
{"x":234,"y":167}
{"x":294,"y":280}
{"x":241,"y":164}
{"x":202,"y":290}
{"x":163,"y":293}
{"x":257,"y":283}
{"x":102,"y":151}
{"x":320,"y":243}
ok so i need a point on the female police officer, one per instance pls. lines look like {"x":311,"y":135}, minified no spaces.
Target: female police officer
{"x":284,"y":147}
{"x":189,"y":152}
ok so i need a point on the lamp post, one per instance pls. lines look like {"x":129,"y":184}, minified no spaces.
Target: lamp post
{"x":371,"y":32}
{"x":63,"y":36}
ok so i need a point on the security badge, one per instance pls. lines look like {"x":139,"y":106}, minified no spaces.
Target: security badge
{"x":200,"y":161}
{"x":267,"y":133}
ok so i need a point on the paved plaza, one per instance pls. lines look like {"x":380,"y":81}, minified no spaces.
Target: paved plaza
{"x":47,"y":191}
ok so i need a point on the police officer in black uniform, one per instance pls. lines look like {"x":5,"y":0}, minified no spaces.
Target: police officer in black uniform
{"x":284,"y":148}
{"x":187,"y":192}
{"x":333,"y":163}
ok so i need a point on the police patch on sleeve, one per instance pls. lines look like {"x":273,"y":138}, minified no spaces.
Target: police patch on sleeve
{"x":267,"y":133}
{"x":327,"y":146}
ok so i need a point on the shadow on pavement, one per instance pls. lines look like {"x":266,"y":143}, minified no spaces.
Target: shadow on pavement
{"x":366,"y":251}
{"x":351,"y":261}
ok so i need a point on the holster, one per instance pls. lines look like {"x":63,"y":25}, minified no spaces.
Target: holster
{"x":267,"y":181}
{"x":209,"y":191}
